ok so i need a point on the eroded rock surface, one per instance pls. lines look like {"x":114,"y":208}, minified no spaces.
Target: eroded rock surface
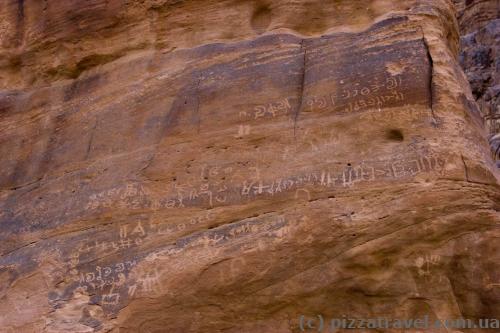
{"x":225,"y":166}
{"x":480,"y":58}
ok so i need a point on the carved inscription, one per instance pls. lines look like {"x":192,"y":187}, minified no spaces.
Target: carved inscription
{"x":359,"y":96}
{"x":398,"y":114}
{"x":273,"y":227}
{"x":426,"y":267}
{"x":101,"y":277}
{"x":217,"y":193}
{"x":345,"y":176}
{"x":147,"y":283}
{"x":133,"y":234}
{"x":374,"y":94}
{"x":269,"y":110}
{"x":130,"y":196}
{"x":124,"y":197}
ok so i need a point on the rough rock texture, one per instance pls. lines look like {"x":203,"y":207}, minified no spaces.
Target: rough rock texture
{"x":227,"y":166}
{"x":479,"y":22}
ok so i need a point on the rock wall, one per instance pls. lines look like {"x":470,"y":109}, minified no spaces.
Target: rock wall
{"x":209,"y":166}
{"x":480,"y":58}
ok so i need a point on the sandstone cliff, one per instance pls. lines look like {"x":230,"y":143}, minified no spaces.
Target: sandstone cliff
{"x":480,"y":58}
{"x":228,"y":166}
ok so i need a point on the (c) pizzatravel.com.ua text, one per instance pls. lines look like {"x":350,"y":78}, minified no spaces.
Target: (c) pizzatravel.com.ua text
{"x":318,"y":323}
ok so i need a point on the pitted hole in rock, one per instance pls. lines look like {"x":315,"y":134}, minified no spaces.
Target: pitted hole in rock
{"x":395,"y":135}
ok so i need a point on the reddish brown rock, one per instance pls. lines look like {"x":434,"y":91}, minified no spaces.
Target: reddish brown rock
{"x":184,"y":166}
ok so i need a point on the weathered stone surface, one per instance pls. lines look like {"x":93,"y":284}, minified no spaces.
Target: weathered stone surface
{"x":185,"y":166}
{"x":480,"y":58}
{"x":475,"y":14}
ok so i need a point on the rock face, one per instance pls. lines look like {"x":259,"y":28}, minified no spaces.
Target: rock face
{"x":480,"y":58}
{"x":187,"y":166}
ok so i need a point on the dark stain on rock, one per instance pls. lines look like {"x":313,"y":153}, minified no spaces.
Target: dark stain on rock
{"x":395,"y":135}
{"x":82,"y":87}
{"x":93,"y":61}
{"x":20,"y":22}
{"x":388,"y":22}
{"x":20,"y":10}
{"x":261,"y":19}
{"x":8,"y":102}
